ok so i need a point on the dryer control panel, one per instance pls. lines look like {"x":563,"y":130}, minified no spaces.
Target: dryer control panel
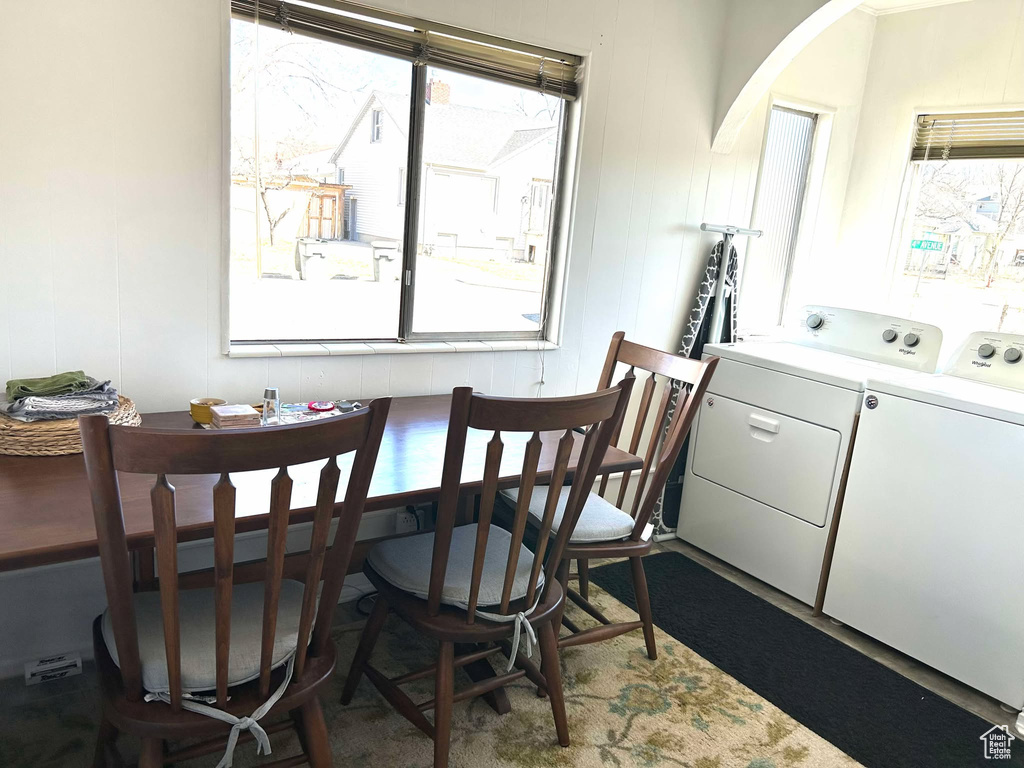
{"x":869,"y":336}
{"x":992,"y":357}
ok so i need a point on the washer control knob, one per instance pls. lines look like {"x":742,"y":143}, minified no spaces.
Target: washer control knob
{"x":815,"y":321}
{"x":985,"y":351}
{"x":889,"y":335}
{"x":911,"y":339}
{"x":1012,"y":355}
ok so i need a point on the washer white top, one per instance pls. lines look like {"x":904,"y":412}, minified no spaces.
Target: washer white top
{"x":953,"y":392}
{"x":979,"y":379}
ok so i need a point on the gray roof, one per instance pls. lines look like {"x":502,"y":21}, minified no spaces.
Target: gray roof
{"x":521,"y":138}
{"x":460,"y":136}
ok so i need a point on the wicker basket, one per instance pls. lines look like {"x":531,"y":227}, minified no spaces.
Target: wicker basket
{"x":54,"y":438}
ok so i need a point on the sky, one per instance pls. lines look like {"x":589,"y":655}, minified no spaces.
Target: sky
{"x":310,"y":90}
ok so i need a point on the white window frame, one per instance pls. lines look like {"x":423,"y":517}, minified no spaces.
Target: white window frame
{"x":899,"y":239}
{"x":376,"y":125}
{"x":563,"y":191}
{"x":811,"y":204}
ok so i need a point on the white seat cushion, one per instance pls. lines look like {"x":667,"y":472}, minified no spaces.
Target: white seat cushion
{"x":405,"y":563}
{"x":198,"y":635}
{"x":600,"y":520}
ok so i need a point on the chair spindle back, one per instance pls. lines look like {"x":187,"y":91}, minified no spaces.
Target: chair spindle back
{"x":683,"y":384}
{"x":596,"y":413}
{"x":109,"y":449}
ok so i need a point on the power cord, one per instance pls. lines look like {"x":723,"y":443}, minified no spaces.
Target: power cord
{"x":365,"y":611}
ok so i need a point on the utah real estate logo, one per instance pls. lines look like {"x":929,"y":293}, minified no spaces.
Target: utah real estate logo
{"x":997,"y":742}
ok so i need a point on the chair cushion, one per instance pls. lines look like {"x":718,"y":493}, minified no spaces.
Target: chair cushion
{"x":405,"y":563}
{"x":198,"y":635}
{"x":600,"y":520}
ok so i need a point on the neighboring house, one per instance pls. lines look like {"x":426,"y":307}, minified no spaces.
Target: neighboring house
{"x":988,"y":206}
{"x":371,"y":160}
{"x":487,"y":177}
{"x":965,"y":243}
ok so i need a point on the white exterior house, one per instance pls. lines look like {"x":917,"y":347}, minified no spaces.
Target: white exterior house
{"x":371,"y":159}
{"x":486,"y":187}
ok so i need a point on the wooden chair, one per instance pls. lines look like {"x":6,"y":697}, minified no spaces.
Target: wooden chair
{"x":607,"y":530}
{"x":477,"y":585}
{"x":269,"y":655}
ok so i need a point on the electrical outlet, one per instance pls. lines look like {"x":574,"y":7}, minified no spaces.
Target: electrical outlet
{"x":406,"y":521}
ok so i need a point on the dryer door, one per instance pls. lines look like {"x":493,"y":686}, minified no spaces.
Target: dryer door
{"x":775,"y":459}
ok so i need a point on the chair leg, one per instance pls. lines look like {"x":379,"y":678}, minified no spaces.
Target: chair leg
{"x":371,"y":632}
{"x":553,"y":675}
{"x":105,"y":738}
{"x":643,"y":604}
{"x":314,"y":731}
{"x":583,"y":567}
{"x":444,"y":692}
{"x":562,"y":574}
{"x":152,"y":753}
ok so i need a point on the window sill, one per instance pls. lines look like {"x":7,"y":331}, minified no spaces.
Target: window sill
{"x":386,"y":348}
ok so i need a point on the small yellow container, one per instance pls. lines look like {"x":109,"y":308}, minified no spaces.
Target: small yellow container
{"x":200,"y":409}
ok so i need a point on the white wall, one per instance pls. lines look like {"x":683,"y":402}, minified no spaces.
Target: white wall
{"x":754,"y":29}
{"x":829,"y":76}
{"x":110,"y":196}
{"x":111,"y":231}
{"x":948,"y":57}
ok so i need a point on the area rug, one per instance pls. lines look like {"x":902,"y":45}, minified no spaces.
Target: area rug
{"x":872,"y":713}
{"x":624,"y":710}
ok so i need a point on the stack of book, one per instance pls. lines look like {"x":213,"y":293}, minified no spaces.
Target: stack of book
{"x":234,"y":416}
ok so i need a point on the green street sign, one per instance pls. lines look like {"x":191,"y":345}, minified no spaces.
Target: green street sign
{"x":927,"y":245}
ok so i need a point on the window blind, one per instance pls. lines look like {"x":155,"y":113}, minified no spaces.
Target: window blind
{"x":976,"y":135}
{"x":416,"y":40}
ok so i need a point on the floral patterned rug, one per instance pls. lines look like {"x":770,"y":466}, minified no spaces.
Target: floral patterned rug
{"x":624,"y":710}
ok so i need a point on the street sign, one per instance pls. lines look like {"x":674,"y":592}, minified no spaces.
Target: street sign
{"x":928,"y":245}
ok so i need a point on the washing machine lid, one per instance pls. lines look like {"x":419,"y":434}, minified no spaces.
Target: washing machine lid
{"x":959,"y":394}
{"x":815,"y":364}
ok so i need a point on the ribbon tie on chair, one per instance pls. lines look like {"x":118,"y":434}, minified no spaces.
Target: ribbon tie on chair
{"x":531,"y":639}
{"x":521,"y":619}
{"x":238,"y":724}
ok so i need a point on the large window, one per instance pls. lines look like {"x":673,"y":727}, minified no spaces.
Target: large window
{"x":375,"y":196}
{"x":958,"y":258}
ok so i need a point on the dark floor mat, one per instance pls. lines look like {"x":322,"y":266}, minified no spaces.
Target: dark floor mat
{"x":872,"y":713}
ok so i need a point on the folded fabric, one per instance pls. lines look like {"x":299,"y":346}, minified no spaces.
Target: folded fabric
{"x":60,"y":384}
{"x":53,"y":408}
{"x":100,"y":397}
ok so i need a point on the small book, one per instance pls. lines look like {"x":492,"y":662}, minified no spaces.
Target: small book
{"x":234,"y":415}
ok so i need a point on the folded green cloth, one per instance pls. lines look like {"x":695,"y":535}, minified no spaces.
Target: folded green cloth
{"x":61,"y":384}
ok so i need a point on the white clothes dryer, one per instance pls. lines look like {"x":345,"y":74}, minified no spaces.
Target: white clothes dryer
{"x":770,"y":444}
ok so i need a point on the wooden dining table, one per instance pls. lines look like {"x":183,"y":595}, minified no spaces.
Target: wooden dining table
{"x":46,"y":514}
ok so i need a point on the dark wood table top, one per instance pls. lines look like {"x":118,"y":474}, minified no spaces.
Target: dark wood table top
{"x":46,"y":515}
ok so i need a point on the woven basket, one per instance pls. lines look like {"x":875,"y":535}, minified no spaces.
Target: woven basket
{"x":54,"y":438}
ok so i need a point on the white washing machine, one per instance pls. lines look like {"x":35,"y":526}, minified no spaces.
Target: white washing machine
{"x":770,"y":444}
{"x":929,"y":556}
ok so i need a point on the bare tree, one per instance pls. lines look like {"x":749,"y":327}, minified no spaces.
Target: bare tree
{"x":1008,"y":184}
{"x":950,"y":195}
{"x":273,"y":220}
{"x":944,"y":194}
{"x":544,"y":104}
